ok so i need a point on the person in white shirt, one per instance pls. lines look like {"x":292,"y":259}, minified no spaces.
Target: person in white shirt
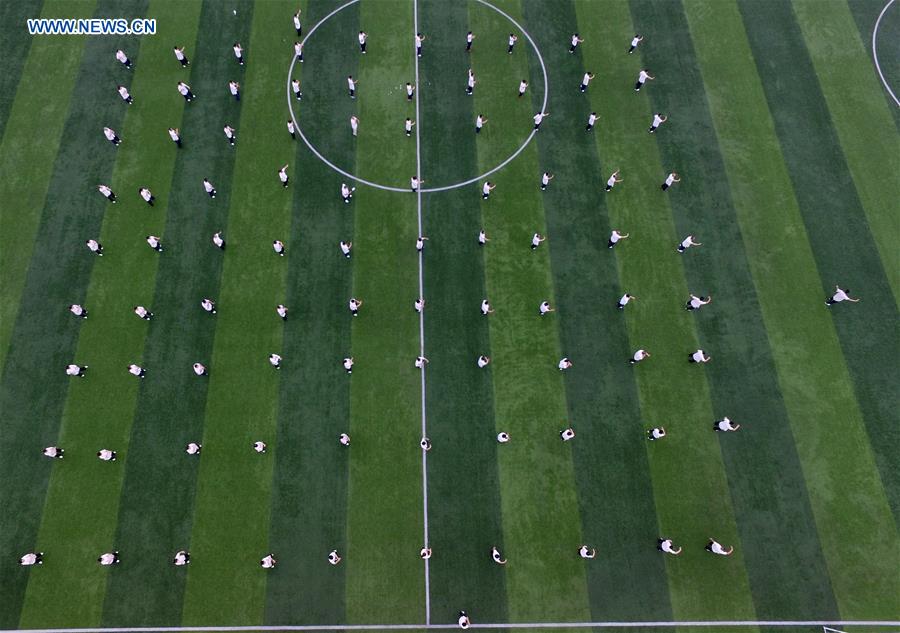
{"x":111,"y":136}
{"x":354,"y":305}
{"x":585,"y":81}
{"x":298,"y":51}
{"x":345,"y":248}
{"x":496,"y":557}
{"x":656,"y":433}
{"x":78,"y":310}
{"x":725,"y":425}
{"x":538,"y":118}
{"x":348,"y":364}
{"x":419,"y":38}
{"x":185,"y":91}
{"x":592,"y":118}
{"x":575,"y":42}
{"x":420,"y":243}
{"x":425,"y":444}
{"x":687,"y":243}
{"x":238,"y":53}
{"x":482,"y":361}
{"x":546,"y":177}
{"x":208,"y":187}
{"x":155,"y":243}
{"x":463,"y":620}
{"x":564,"y":363}
{"x":76,"y":370}
{"x":209,"y":305}
{"x":54,"y":452}
{"x":503,"y":437}
{"x":199,"y":369}
{"x":613,"y":180}
{"x":180,"y":56}
{"x":347,"y":192}
{"x":419,"y":305}
{"x":587,"y":552}
{"x":147,"y":195}
{"x":283,"y":175}
{"x":470,"y":83}
{"x":275,"y":361}
{"x":634,"y":43}
{"x":671,"y":179}
{"x":666,"y":546}
{"x":623,"y":301}
{"x":425,"y":553}
{"x":295,"y":86}
{"x":354,"y":124}
{"x":482,"y":238}
{"x":486,"y":308}
{"x":408,"y":126}
{"x":106,"y":455}
{"x":109,"y":558}
{"x":193,"y":448}
{"x":292,"y":130}
{"x":143,"y":312}
{"x":469,"y":37}
{"x":95,"y":247}
{"x":839,"y":296}
{"x":415,"y":182}
{"x":717,"y":548}
{"x":218,"y":241}
{"x":536,"y":240}
{"x":229,"y":134}
{"x":333,"y":557}
{"x":126,"y":96}
{"x":123,"y":58}
{"x":544,"y":308}
{"x":699,"y":357}
{"x":480,"y":120}
{"x":32,"y":558}
{"x":362,"y":37}
{"x":410,"y":91}
{"x":513,"y":38}
{"x":297,"y":25}
{"x":420,"y":362}
{"x":181,"y":558}
{"x":107,"y":193}
{"x":344,"y":439}
{"x":643,"y":76}
{"x":268,"y":561}
{"x":523,"y":86}
{"x":695,"y":302}
{"x":175,"y":135}
{"x":278,"y":247}
{"x":658,"y":119}
{"x":639,"y":356}
{"x":282,"y":311}
{"x":351,"y":86}
{"x":259,"y":447}
{"x":567,"y":434}
{"x":235,"y":89}
{"x":486,"y":190}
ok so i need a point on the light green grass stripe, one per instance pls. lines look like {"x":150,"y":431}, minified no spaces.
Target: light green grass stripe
{"x":385,"y":576}
{"x":30,"y":142}
{"x":231,"y":522}
{"x":692,"y":495}
{"x":82,"y":503}
{"x":546,"y":578}
{"x":863,"y":121}
{"x":854,"y":522}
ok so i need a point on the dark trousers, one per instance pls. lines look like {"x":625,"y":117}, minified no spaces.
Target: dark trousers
{"x":537,"y":126}
{"x":485,"y":196}
{"x":115,"y":140}
{"x":285,"y":183}
{"x":664,"y":186}
{"x":582,"y":87}
{"x":419,"y":51}
{"x":299,"y":95}
{"x":189,"y":96}
{"x":212,"y":194}
{"x":509,"y":50}
{"x":240,"y":60}
{"x":352,"y":93}
{"x":178,"y":142}
{"x":293,"y":136}
{"x":477,"y":130}
{"x":637,"y":86}
{"x":521,"y":92}
{"x":610,"y":243}
{"x":469,"y":90}
{"x":588,"y":127}
{"x":300,"y":32}
{"x":237,"y":96}
{"x":409,"y":96}
{"x":151,"y":200}
{"x":631,"y":49}
{"x":543,"y":187}
{"x":112,"y":197}
{"x":184,"y":62}
{"x":468,"y":46}
{"x":572,"y":48}
{"x":362,"y":48}
{"x":609,"y":187}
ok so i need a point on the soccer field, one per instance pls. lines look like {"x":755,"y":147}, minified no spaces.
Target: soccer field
{"x":784,"y":132}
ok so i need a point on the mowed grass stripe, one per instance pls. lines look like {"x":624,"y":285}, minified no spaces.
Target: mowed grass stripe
{"x":865,"y":131}
{"x":627,"y":581}
{"x":689,"y":477}
{"x":231,"y":522}
{"x":17,"y":40}
{"x":385,"y":576}
{"x":766,"y":481}
{"x":848,"y":501}
{"x":463,"y":487}
{"x":830,"y":205}
{"x":160,"y":479}
{"x":32,"y":132}
{"x":309,"y":488}
{"x":545,"y":577}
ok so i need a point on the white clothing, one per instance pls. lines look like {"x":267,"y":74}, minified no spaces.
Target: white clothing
{"x":217,"y":239}
{"x":544,"y":307}
{"x":345,"y":190}
{"x":192,"y":448}
{"x":482,"y":361}
{"x":105,"y":454}
{"x":208,"y":305}
{"x":586,"y":79}
{"x":344,"y":439}
{"x":523,"y":85}
{"x":207,"y":185}
{"x":259,"y":447}
{"x":121,"y":56}
{"x":181,"y":558}
{"x":106,"y":191}
{"x":135,"y":370}
{"x":362,"y":38}
{"x":482,"y":238}
{"x":716,"y":548}
{"x":73,"y":370}
{"x":642,"y":77}
{"x":414,"y":183}
{"x":536,"y":238}
{"x":503,"y":438}
{"x":625,"y":299}
{"x":282,"y":175}
{"x":153,"y":241}
{"x":574,"y":40}
{"x":486,"y":188}
{"x":296,"y":22}
{"x":585,"y":552}
{"x":229,"y":131}
{"x":420,"y":244}
{"x":178,"y":54}
{"x":698,"y":356}
{"x":635,"y":41}
{"x":278,"y":246}
{"x":485,"y":307}
{"x":173,"y":134}
{"x":545,"y":180}
{"x":107,"y":558}
{"x":839,"y":296}
{"x":237,"y":51}
{"x":123,"y":92}
{"x":93,"y":245}
{"x":28,"y":559}
{"x":76,"y":309}
{"x":333,"y":557}
{"x":657,"y":433}
{"x":670,"y":179}
{"x":409,"y":89}
{"x":51,"y":451}
{"x":345,"y":248}
{"x":639,"y":355}
{"x":233,"y":87}
{"x":612,"y":181}
{"x":512,"y":39}
{"x":667,"y":546}
{"x":657,"y":120}
{"x":298,"y":48}
{"x":109,"y":133}
{"x":538,"y":118}
{"x":567,"y":435}
{"x":592,"y":118}
{"x":725,"y":425}
{"x":419,"y":305}
{"x":348,"y":364}
{"x":281,"y":310}
{"x":495,"y":554}
{"x":295,"y":85}
{"x":479,"y":121}
{"x":146,"y":195}
{"x":563,"y":364}
{"x":267,"y":562}
{"x":687,"y":242}
{"x":183,"y":88}
{"x":199,"y":369}
{"x":274,"y":360}
{"x":351,"y":83}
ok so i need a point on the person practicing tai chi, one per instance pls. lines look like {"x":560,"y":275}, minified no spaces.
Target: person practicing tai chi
{"x":482,"y":238}
{"x":348,"y":364}
{"x":420,"y":243}
{"x":699,"y":357}
{"x":666,"y":546}
{"x":238,"y":53}
{"x":123,"y":58}
{"x":185,"y":91}
{"x":420,"y":362}
{"x":503,"y":437}
{"x":208,"y":305}
{"x":634,"y":43}
{"x":725,"y":425}
{"x":408,"y":126}
{"x":687,"y":243}
{"x":259,"y":447}
{"x":346,"y":192}
{"x":511,"y":42}
{"x":658,"y":119}
{"x":283,"y":176}
{"x":575,"y":42}
{"x":268,"y":561}
{"x":425,"y":553}
{"x":486,"y":190}
{"x":95,"y":247}
{"x":298,"y":51}
{"x":109,"y":558}
{"x":419,"y":38}
{"x":469,"y":37}
{"x":486,"y":308}
{"x":147,"y":195}
{"x":639,"y":356}
{"x":480,"y":120}
{"x":208,"y":188}
{"x":592,"y":119}
{"x":419,"y":305}
{"x":218,"y":240}
{"x":536,"y":240}
{"x":717,"y":548}
{"x":354,"y":125}
{"x":76,"y":370}
{"x":523,"y":86}
{"x":587,"y":552}
{"x":180,"y":56}
{"x":235,"y":89}
{"x":671,"y":179}
{"x":78,"y":310}
{"x":415,"y":182}
{"x":298,"y":26}
{"x":193,"y":448}
{"x":538,"y":118}
{"x":483,"y":361}
{"x":470,"y":83}
{"x":344,"y":439}
{"x":143,"y":313}
{"x":462,"y":620}
{"x":354,"y":305}
{"x":107,"y":193}
{"x":544,"y":308}
{"x":346,"y":247}
{"x":351,"y":86}
{"x":175,"y":135}
{"x":567,"y":434}
{"x":230,"y":136}
{"x":613,"y":180}
{"x":643,"y":76}
{"x":278,"y":247}
{"x":564,"y":364}
{"x":181,"y":558}
{"x":362,"y":36}
{"x":546,"y":177}
{"x":695,"y":302}
{"x":155,"y":243}
{"x":840,"y":295}
{"x":656,"y":433}
{"x":333,"y":557}
{"x":291,"y":128}
{"x":585,"y":80}
{"x":199,"y":369}
{"x":295,"y":88}
{"x":624,"y":300}
{"x":275,"y":360}
{"x":282,"y":311}
{"x":497,"y":558}
{"x":126,"y":96}
{"x":410,"y":91}
{"x":111,"y":136}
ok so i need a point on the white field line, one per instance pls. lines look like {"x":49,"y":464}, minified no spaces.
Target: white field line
{"x":875,"y":52}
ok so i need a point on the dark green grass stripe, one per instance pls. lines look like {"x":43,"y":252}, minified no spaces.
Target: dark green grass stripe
{"x":27,"y":153}
{"x":309,"y":494}
{"x":34,"y":384}
{"x":463,"y":487}
{"x":831,"y":207}
{"x":156,"y":509}
{"x":17,"y":43}
{"x":766,"y":480}
{"x":231,"y":523}
{"x":385,"y":576}
{"x":865,"y":13}
{"x":852,"y":514}
{"x":627,"y":581}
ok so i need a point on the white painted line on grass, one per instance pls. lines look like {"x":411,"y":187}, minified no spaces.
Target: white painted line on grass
{"x":875,"y":52}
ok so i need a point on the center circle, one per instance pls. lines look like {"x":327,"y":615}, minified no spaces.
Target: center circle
{"x":376,"y":185}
